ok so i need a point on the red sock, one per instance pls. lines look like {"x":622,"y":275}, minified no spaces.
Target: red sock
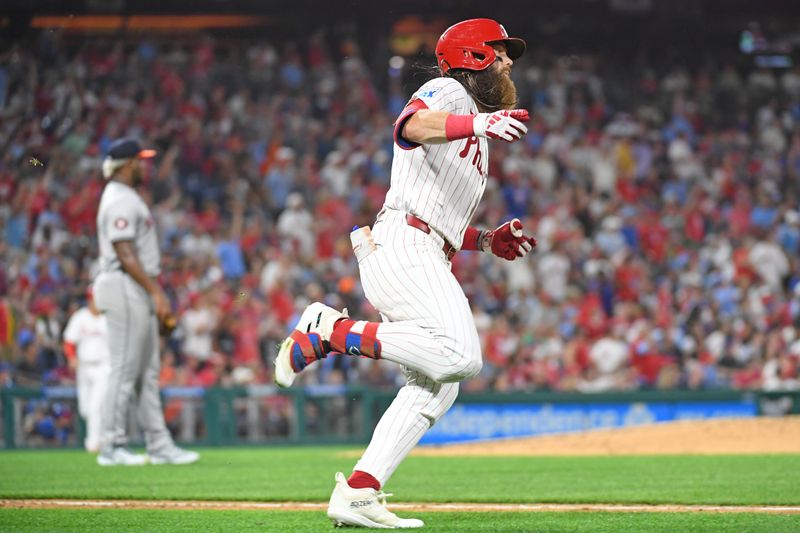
{"x":343,"y":340}
{"x":362,"y":480}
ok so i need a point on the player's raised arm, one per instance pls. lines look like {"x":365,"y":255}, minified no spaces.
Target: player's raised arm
{"x":426,"y":126}
{"x":430,"y":330}
{"x":433,"y":115}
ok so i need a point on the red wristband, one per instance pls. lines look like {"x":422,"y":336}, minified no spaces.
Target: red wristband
{"x":459,"y":127}
{"x":70,"y":350}
{"x":472,"y":239}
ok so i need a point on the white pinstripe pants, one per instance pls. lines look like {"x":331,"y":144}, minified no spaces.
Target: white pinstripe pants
{"x":428,"y":328}
{"x":92,"y":383}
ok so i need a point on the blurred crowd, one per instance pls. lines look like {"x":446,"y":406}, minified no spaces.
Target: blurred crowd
{"x":667,"y":219}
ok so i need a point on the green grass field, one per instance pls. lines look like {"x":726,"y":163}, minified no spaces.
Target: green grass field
{"x":115,"y":521}
{"x":306,"y":474}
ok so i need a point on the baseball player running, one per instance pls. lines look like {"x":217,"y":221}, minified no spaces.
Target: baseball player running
{"x":438,"y":178}
{"x":134,"y":304}
{"x":86,"y":347}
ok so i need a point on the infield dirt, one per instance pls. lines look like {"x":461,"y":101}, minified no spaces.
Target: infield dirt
{"x":415,"y":507}
{"x":729,"y":436}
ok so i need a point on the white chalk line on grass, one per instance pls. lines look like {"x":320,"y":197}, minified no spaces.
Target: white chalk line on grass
{"x":429,"y":507}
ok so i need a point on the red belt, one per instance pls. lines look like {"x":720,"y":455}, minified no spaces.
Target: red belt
{"x":418,"y":223}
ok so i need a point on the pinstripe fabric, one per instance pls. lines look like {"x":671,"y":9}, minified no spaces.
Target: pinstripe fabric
{"x":428,"y":326}
{"x":416,"y":408}
{"x":441,"y":183}
{"x":428,"y":329}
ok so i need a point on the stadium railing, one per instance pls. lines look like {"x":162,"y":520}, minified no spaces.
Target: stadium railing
{"x":267,"y":415}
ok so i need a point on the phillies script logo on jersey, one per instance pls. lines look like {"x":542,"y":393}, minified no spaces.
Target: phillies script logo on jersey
{"x":477,"y":158}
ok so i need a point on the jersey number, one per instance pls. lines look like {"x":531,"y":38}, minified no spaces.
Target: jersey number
{"x":477,"y":159}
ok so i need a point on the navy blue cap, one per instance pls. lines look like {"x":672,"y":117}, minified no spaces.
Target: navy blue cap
{"x":128,"y":148}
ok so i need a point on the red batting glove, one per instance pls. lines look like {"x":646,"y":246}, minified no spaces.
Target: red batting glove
{"x":519,"y":114}
{"x":508,"y":241}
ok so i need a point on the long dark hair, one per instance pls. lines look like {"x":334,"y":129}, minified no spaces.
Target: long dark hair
{"x":490,"y":89}
{"x":486,"y":87}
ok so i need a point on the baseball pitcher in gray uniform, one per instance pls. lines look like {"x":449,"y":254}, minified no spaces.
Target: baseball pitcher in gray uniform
{"x":127,"y":292}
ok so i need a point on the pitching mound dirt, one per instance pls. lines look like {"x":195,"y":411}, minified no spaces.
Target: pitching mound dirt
{"x":731,"y":436}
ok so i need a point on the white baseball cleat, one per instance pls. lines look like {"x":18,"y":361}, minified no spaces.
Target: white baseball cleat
{"x":120,"y":456}
{"x":364,"y":508}
{"x":307,"y":343}
{"x":174,"y":456}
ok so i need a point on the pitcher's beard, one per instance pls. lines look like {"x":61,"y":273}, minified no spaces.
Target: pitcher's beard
{"x":491,"y":88}
{"x":137,"y":177}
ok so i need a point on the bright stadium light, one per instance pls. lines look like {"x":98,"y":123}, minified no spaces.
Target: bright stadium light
{"x":396,"y":62}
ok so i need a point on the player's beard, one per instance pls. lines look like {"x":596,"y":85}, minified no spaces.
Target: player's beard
{"x":492,"y":89}
{"x":137,"y":175}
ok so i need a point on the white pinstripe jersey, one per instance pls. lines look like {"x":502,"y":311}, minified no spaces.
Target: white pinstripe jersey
{"x":89,"y":333}
{"x":441,"y":184}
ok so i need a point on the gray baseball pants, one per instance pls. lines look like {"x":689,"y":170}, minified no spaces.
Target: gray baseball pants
{"x":135,"y":363}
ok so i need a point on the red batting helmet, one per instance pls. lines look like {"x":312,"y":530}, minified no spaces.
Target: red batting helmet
{"x":468,"y":45}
